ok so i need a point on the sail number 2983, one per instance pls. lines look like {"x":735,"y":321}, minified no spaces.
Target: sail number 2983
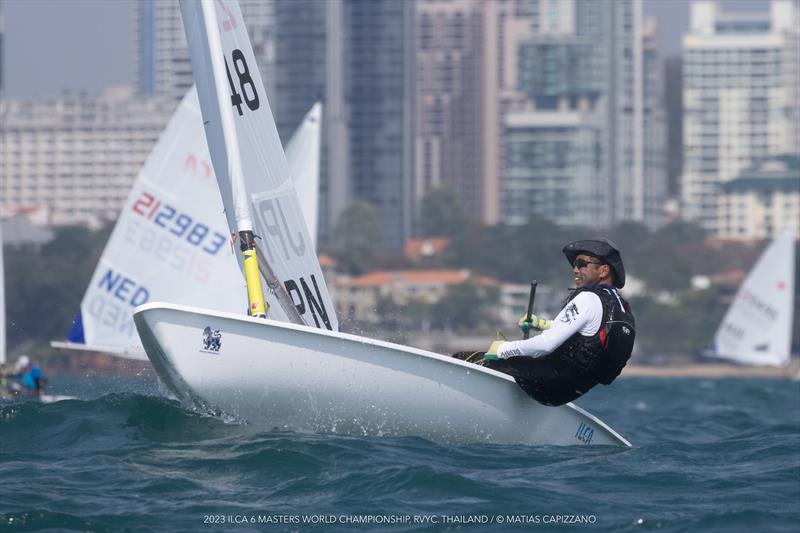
{"x":247,"y":86}
{"x":179,"y":224}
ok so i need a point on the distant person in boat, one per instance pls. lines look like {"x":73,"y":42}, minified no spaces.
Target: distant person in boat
{"x":588,"y":342}
{"x":26,"y":379}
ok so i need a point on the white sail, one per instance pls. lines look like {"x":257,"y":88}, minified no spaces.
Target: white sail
{"x":150,"y":257}
{"x":249,"y":162}
{"x":2,"y":302}
{"x":170,"y":242}
{"x":303,"y":154}
{"x":757,"y":329}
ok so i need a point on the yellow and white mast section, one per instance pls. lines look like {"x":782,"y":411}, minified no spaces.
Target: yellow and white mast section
{"x":244,"y":221}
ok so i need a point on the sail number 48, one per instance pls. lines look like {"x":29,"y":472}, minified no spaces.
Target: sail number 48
{"x":245,"y":80}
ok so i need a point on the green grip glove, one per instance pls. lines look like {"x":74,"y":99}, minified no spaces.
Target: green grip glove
{"x":491,"y":353}
{"x":534,"y":323}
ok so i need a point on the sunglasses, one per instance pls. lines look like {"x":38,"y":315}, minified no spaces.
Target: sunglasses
{"x":583,"y":263}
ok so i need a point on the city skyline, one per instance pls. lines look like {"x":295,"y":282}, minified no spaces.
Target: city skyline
{"x":45,"y":56}
{"x":567,"y":121}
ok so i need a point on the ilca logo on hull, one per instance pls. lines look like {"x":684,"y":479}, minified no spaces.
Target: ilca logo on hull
{"x":212,"y":340}
{"x":584,"y":433}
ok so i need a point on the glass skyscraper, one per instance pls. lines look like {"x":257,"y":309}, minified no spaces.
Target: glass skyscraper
{"x":581,"y":117}
{"x":371,"y":104}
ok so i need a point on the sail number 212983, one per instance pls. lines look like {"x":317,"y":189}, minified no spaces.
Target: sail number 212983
{"x":179,"y":224}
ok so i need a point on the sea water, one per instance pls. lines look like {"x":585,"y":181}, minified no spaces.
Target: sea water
{"x":707,"y":455}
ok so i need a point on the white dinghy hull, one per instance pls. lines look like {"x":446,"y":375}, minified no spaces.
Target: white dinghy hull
{"x":296,"y":378}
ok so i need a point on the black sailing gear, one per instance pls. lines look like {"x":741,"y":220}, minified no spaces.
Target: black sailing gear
{"x":581,"y":362}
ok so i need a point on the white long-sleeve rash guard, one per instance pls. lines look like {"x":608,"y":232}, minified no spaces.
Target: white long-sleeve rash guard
{"x":583,"y":315}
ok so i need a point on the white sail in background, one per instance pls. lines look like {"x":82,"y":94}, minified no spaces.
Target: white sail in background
{"x":2,"y":302}
{"x":249,"y":163}
{"x":303,"y":154}
{"x":170,"y":240}
{"x":149,"y":256}
{"x":757,"y":329}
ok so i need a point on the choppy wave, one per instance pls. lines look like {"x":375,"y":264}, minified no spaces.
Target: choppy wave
{"x":708,"y":456}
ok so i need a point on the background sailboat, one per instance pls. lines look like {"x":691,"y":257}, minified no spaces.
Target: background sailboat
{"x":293,"y":376}
{"x":757,"y":328}
{"x":45,"y":398}
{"x":171,"y":241}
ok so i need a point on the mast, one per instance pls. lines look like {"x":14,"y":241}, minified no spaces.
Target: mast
{"x":255,"y":183}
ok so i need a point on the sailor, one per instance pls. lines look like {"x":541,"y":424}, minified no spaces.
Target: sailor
{"x":588,"y":342}
{"x":29,"y":378}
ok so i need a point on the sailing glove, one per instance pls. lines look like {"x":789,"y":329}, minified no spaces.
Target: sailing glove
{"x":534,"y":323}
{"x":491,"y":353}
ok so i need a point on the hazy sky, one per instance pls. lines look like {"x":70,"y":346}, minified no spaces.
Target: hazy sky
{"x":84,"y":45}
{"x":54,"y":45}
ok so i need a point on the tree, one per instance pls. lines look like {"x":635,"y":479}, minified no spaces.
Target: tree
{"x":441,"y":214}
{"x":464,"y":306}
{"x":684,"y":328}
{"x":516,"y":253}
{"x":44,"y":288}
{"x":357,"y":238}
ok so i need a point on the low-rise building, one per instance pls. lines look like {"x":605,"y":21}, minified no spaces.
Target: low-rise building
{"x":360,"y":298}
{"x":20,"y":232}
{"x":761,"y":200}
{"x":513,"y":303}
{"x":405,"y":296}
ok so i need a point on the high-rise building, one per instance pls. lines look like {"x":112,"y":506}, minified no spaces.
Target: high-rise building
{"x":553,"y":162}
{"x":581,"y":113}
{"x":740,"y":97}
{"x":449,"y":132}
{"x":299,"y":79}
{"x":300,"y":61}
{"x":654,"y":172}
{"x":2,"y":51}
{"x":163,"y":67}
{"x":673,"y":107}
{"x":76,"y":156}
{"x":370,"y":98}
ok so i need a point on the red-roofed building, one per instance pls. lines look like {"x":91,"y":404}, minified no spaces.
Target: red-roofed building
{"x":327,"y":262}
{"x":419,"y":249}
{"x":358,"y":297}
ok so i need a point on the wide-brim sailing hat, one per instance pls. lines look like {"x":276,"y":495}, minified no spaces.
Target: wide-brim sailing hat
{"x":604,"y":250}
